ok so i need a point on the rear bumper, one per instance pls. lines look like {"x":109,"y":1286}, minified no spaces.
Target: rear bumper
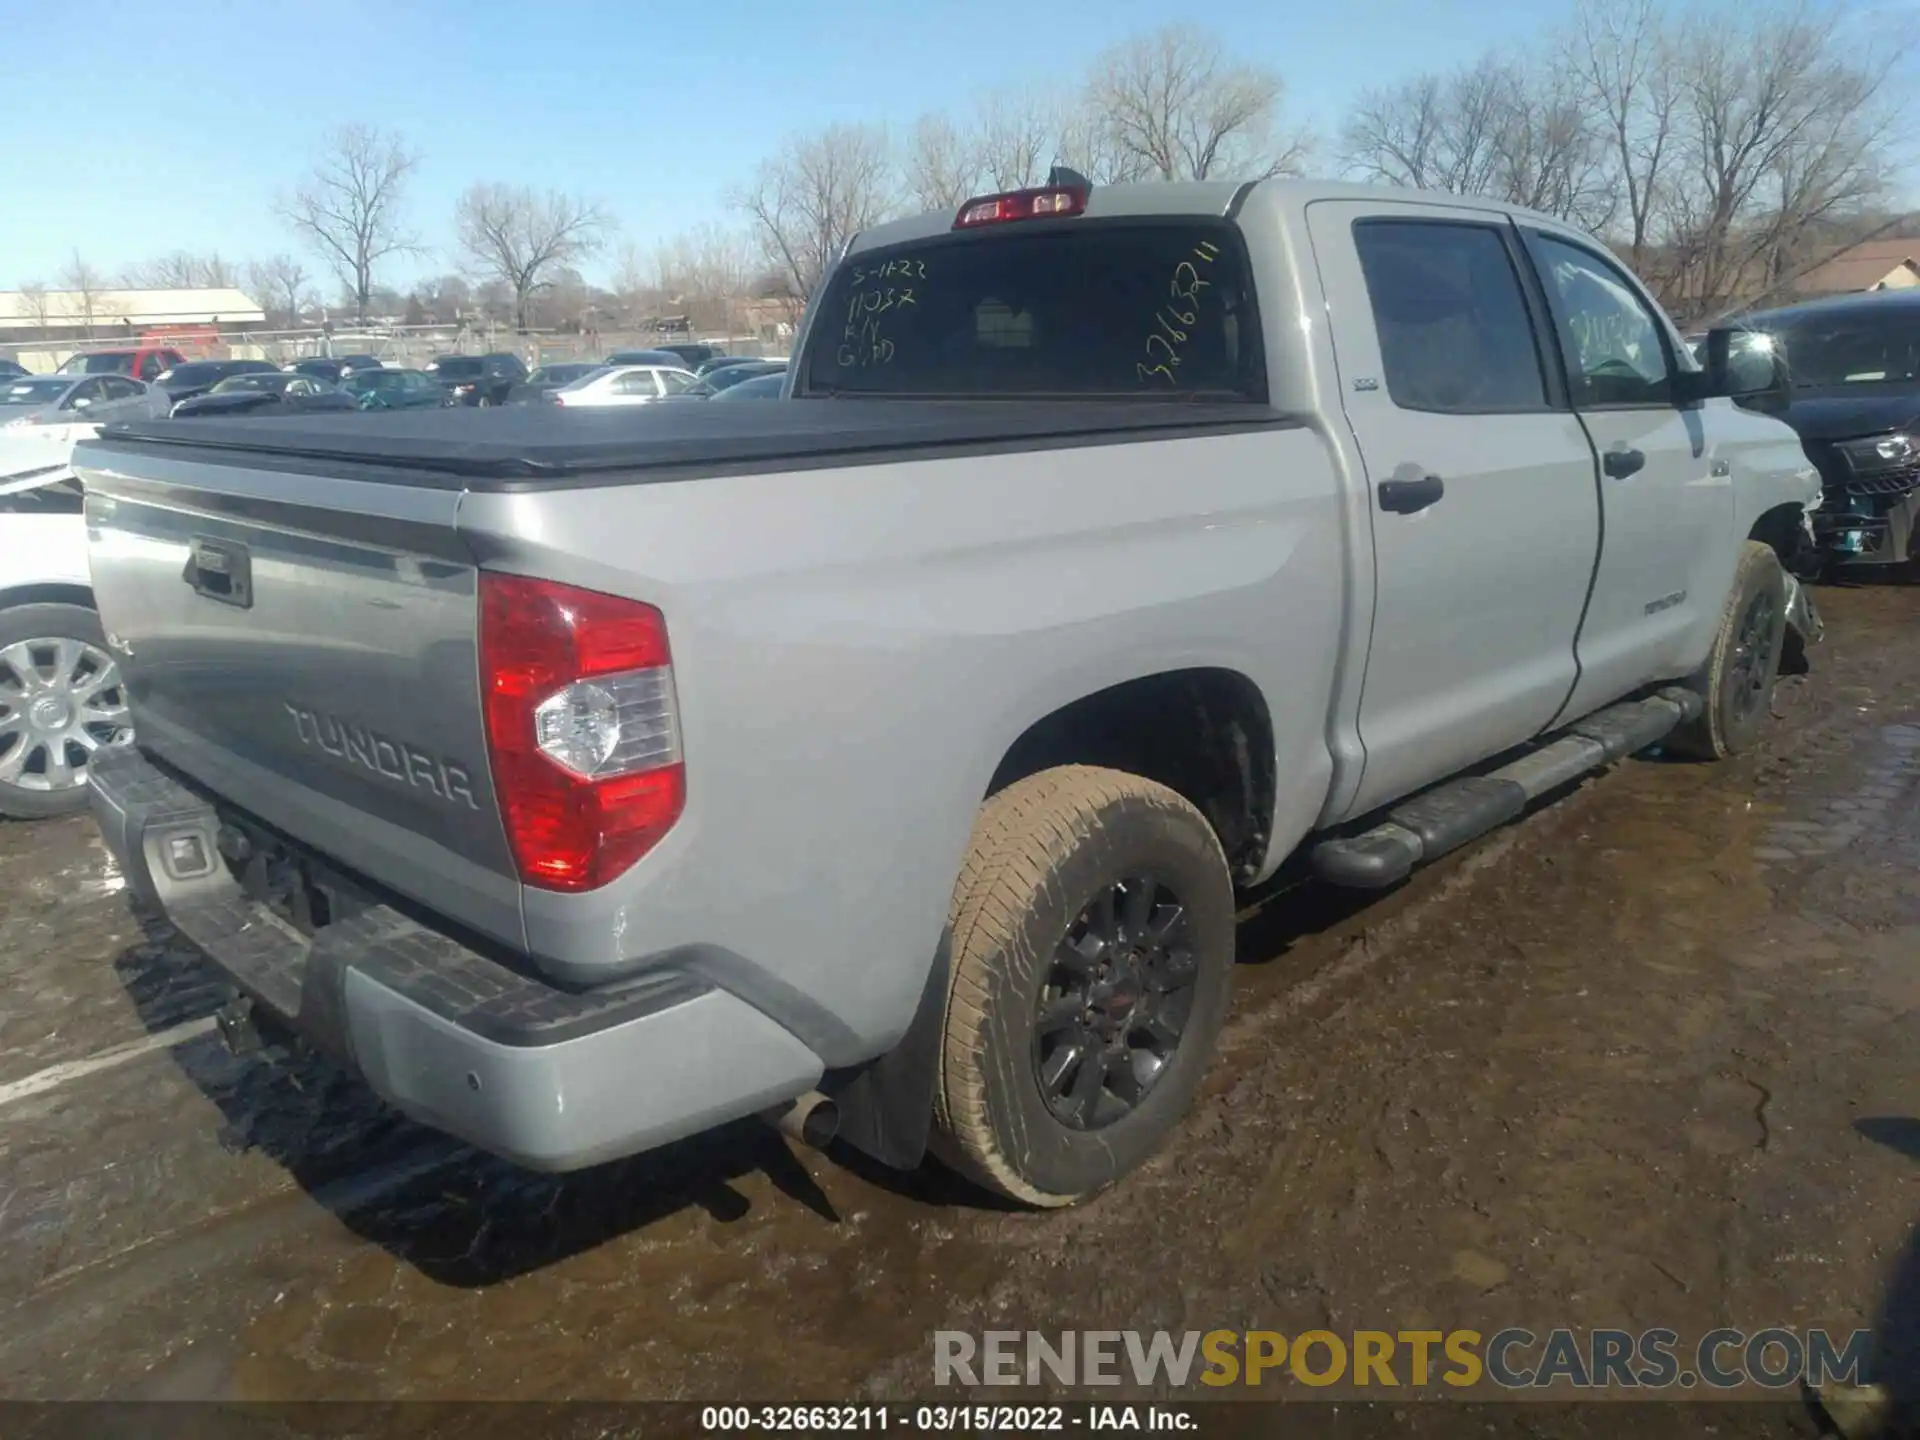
{"x":548,"y":1078}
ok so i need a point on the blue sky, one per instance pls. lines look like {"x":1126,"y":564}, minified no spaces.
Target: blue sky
{"x":194,"y":113}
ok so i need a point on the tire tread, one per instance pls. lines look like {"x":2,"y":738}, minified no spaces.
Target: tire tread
{"x":1020,"y":838}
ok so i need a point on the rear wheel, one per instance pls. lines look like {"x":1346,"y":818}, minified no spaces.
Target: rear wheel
{"x":1092,"y":954}
{"x":1736,"y":683}
{"x":61,"y":702}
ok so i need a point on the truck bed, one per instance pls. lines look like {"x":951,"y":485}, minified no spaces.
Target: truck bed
{"x":514,"y":447}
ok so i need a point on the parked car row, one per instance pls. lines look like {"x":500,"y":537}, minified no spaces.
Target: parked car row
{"x":51,"y":643}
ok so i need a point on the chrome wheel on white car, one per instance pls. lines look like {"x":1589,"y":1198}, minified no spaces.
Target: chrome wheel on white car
{"x":61,"y":701}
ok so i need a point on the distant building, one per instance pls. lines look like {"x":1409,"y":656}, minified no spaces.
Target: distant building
{"x":69,"y":319}
{"x":1870,"y":265}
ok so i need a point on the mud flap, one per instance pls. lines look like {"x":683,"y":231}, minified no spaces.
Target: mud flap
{"x":1804,"y":627}
{"x":886,"y":1105}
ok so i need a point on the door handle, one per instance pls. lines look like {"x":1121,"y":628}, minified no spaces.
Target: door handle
{"x":1405,"y":497}
{"x":1622,"y":461}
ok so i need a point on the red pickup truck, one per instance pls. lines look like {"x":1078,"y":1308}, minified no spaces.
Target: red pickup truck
{"x":142,"y":362}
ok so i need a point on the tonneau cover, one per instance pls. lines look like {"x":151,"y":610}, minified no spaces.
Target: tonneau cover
{"x":463,"y":448}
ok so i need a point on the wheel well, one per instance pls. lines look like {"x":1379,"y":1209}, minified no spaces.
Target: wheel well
{"x":53,"y":594}
{"x":1782,"y":528}
{"x":1205,"y":734}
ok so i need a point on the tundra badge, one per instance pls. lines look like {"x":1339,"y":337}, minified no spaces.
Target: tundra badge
{"x":386,"y":757}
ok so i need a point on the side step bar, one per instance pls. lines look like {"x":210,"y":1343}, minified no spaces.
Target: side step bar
{"x":1448,"y":816}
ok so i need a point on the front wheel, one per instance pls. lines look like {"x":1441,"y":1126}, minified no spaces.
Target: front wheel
{"x":1736,"y":682}
{"x":61,"y":702}
{"x":1092,"y":945}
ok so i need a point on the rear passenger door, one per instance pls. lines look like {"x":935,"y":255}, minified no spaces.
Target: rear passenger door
{"x":1666,"y":511}
{"x":638,"y":385}
{"x":1485,"y":521}
{"x":125,"y":400}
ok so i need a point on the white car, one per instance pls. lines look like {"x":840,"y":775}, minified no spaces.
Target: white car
{"x":59,"y":409}
{"x":632,"y":385}
{"x":60,"y":694}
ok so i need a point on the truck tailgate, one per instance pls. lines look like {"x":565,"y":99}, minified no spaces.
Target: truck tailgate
{"x":309,"y":643}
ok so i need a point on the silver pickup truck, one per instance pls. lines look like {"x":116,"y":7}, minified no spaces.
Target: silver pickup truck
{"x":886,"y":759}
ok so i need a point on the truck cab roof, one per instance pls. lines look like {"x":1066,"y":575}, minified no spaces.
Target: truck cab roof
{"x":1205,"y":197}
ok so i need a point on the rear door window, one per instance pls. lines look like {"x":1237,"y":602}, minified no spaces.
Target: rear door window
{"x":1455,"y":335}
{"x":1134,"y":309}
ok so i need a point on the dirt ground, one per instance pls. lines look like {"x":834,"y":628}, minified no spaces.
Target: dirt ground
{"x":1647,"y":1058}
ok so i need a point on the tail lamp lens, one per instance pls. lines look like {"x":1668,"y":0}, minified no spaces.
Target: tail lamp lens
{"x":582,"y":727}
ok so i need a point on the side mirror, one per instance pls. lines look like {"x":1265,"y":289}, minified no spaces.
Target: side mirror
{"x":81,"y":402}
{"x":1746,"y":366}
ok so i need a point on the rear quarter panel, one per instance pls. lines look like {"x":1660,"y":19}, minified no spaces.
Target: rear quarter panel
{"x":855,"y":649}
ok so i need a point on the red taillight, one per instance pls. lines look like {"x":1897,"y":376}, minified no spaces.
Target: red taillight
{"x":1038,"y":204}
{"x":582,"y":726}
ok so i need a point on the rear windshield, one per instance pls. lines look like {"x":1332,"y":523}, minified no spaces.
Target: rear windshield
{"x":455,"y":368}
{"x":1134,"y":309}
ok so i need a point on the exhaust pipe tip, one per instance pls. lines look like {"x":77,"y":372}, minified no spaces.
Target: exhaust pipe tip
{"x":812,"y":1119}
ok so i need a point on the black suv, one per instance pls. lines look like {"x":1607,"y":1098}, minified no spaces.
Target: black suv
{"x":478,"y":379}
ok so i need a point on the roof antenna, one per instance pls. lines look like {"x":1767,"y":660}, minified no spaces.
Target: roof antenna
{"x":1060,"y":175}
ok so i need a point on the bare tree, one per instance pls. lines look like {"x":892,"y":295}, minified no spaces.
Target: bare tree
{"x":1088,"y":143}
{"x":1431,"y":132}
{"x":1018,"y":134}
{"x":349,"y":207}
{"x":183,"y":270}
{"x":814,"y":196}
{"x":1781,"y":122}
{"x":1553,"y":158}
{"x":1176,"y":104}
{"x":518,"y":234}
{"x":282,"y":286}
{"x":39,"y":305}
{"x":86,"y":286}
{"x":942,"y":165}
{"x":1508,"y":130}
{"x":1623,"y":59}
{"x":706,"y":271}
{"x":444,"y":297}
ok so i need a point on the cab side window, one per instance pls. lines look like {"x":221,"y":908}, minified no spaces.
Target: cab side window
{"x":1616,"y":349}
{"x":1455,"y":335}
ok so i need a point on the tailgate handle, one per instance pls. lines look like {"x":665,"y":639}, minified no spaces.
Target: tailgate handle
{"x":221,"y":570}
